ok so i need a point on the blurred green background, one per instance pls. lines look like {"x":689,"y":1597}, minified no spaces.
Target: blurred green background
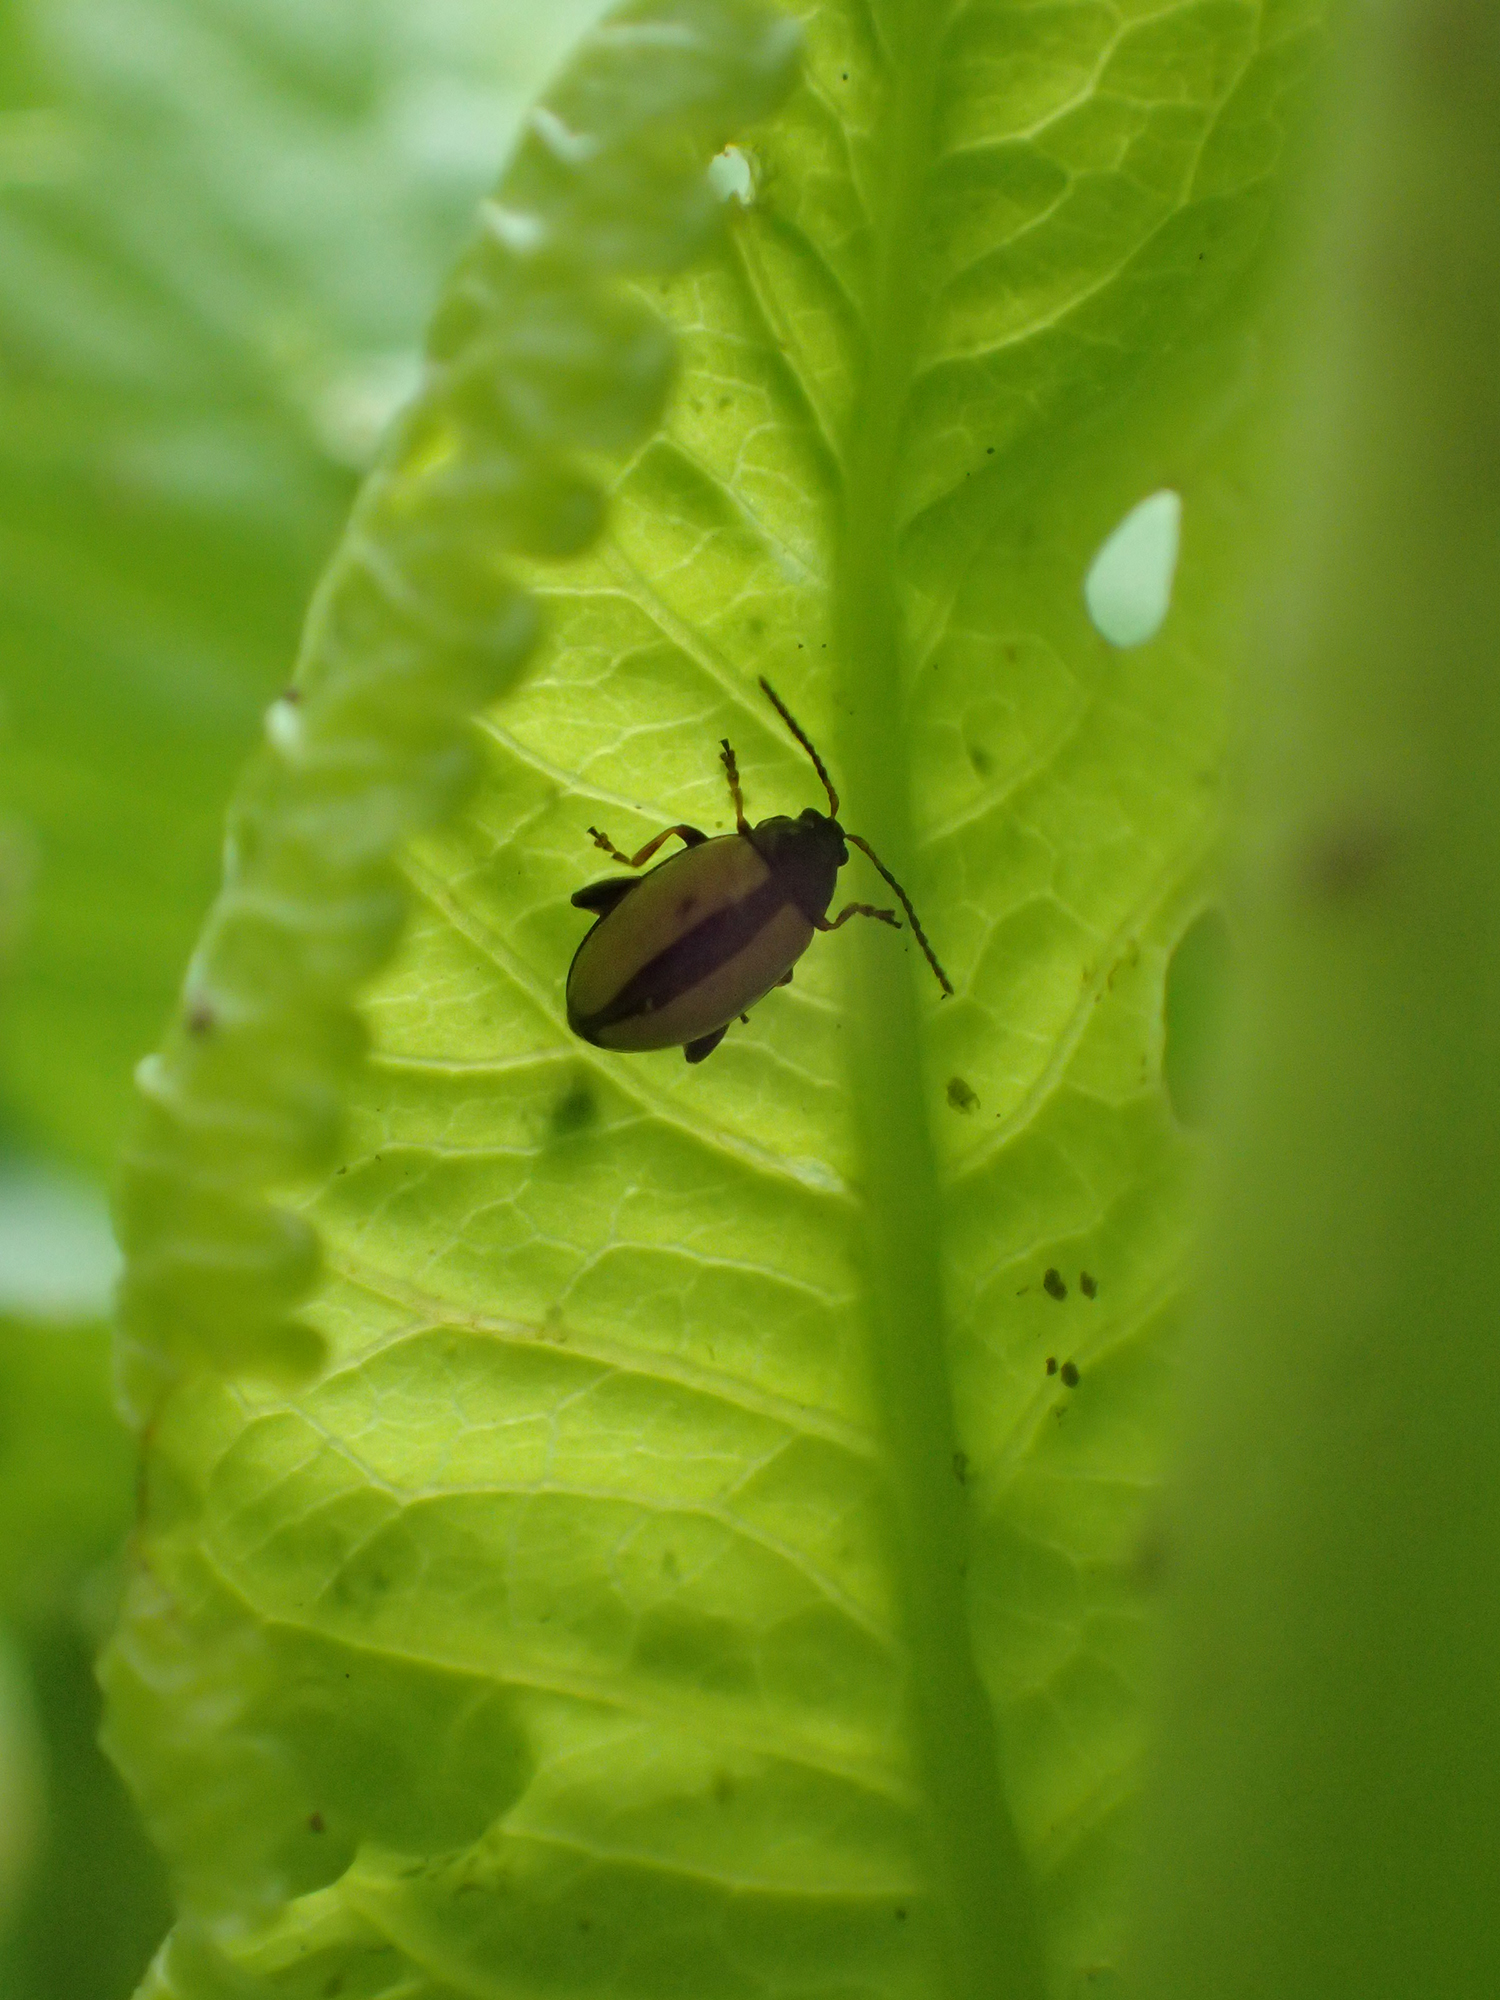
{"x":222,"y":223}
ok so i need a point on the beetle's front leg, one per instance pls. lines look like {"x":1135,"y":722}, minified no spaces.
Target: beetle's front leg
{"x":689,"y":836}
{"x":859,"y":910}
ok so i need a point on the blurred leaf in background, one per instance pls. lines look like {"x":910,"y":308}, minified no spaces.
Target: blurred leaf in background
{"x":221,"y":226}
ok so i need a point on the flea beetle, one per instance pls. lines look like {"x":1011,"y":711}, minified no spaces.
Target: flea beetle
{"x":679,"y":951}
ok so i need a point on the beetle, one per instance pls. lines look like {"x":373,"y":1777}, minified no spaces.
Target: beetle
{"x":678,"y":952}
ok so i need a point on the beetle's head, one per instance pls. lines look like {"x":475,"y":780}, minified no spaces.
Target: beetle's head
{"x":806,"y":853}
{"x":824,"y":836}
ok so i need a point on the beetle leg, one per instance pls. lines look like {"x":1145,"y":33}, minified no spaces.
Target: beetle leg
{"x":705,"y":1045}
{"x":689,"y":836}
{"x":859,"y":910}
{"x":786,"y":978}
{"x":732,"y":772}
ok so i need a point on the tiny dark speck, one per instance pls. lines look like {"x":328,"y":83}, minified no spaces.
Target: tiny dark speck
{"x":900,"y":1916}
{"x":575,"y":1109}
{"x":1346,"y":858}
{"x":961,"y":1467}
{"x":1051,"y":1364}
{"x":1069,"y":1374}
{"x":315,"y":1822}
{"x":961,"y":1096}
{"x":1087,"y":1285}
{"x":583,"y":1923}
{"x":1053,"y":1285}
{"x":200,"y":1018}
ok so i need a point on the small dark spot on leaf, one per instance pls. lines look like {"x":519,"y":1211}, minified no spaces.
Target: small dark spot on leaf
{"x":583,"y":1924}
{"x":723,"y":1787}
{"x":1087,"y":1285}
{"x":900,"y":1916}
{"x":1053,"y":1285}
{"x":575,"y":1109}
{"x":1347,"y":857}
{"x":200,"y":1018}
{"x":961,"y":1467}
{"x":989,"y":451}
{"x":315,"y":1822}
{"x":1051,"y":1364}
{"x":981,"y":759}
{"x":340,"y":1170}
{"x":333,"y":1987}
{"x":1153,"y":1555}
{"x":291,"y":695}
{"x":1069,"y":1374}
{"x":961,"y":1096}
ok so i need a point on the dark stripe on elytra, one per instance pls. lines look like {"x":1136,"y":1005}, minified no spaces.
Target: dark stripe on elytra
{"x":690,"y":959}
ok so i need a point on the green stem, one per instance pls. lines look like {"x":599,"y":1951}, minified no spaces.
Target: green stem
{"x":979,"y":1876}
{"x":1324,"y":1817}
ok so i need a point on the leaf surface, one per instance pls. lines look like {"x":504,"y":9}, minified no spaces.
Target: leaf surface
{"x":709,"y":1558}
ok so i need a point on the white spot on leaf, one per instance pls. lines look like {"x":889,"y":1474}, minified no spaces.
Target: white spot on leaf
{"x":518,"y":230}
{"x":732,"y":177}
{"x":574,"y":149}
{"x":284,"y":726}
{"x":1128,"y":589}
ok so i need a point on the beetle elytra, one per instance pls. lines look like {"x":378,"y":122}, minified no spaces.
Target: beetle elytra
{"x":678,"y":952}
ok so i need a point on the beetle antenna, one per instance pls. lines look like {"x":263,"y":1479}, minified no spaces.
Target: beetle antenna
{"x":917,"y":931}
{"x":802,"y":737}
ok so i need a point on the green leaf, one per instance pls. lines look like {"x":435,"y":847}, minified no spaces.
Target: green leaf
{"x":71,"y":1839}
{"x":1323,"y":1813}
{"x":220,"y":229}
{"x":709,"y":1557}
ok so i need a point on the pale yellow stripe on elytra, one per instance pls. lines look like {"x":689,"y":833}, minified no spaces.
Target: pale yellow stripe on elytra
{"x":669,"y":900}
{"x":730,"y":991}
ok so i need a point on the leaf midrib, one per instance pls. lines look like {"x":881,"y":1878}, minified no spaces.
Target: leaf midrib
{"x":992,"y":1934}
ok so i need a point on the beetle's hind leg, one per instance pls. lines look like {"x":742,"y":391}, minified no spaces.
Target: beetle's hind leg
{"x":732,"y":773}
{"x":688,"y":835}
{"x":859,"y":910}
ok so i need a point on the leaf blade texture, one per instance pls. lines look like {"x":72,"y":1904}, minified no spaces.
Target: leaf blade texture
{"x":687,"y":1567}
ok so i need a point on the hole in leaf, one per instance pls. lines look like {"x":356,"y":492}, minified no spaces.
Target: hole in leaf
{"x":732,"y":177}
{"x":1128,"y":589}
{"x":1197,"y":989}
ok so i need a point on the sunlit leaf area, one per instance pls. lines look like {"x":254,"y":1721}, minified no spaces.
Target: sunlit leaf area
{"x":491,"y":1509}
